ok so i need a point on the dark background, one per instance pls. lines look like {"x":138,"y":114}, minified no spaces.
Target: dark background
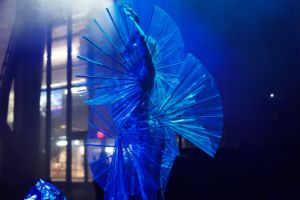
{"x":252,"y":49}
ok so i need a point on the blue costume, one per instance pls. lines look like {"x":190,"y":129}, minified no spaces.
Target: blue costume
{"x":44,"y":191}
{"x":142,"y":90}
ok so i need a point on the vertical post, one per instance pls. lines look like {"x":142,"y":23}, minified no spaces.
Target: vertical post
{"x":69,"y":99}
{"x":6,"y":77}
{"x":48,"y":103}
{"x":90,"y":72}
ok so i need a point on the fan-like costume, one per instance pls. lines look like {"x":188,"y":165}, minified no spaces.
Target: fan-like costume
{"x":142,"y":90}
{"x":44,"y":191}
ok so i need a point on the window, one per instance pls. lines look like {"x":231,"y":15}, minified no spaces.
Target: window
{"x":63,"y":112}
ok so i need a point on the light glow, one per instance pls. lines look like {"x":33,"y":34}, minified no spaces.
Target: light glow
{"x":272,"y":95}
{"x":100,"y":135}
{"x":64,"y":84}
{"x":62,"y":143}
{"x":109,"y":150}
{"x":76,"y":142}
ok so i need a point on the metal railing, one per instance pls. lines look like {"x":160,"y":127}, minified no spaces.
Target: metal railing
{"x":7,"y":56}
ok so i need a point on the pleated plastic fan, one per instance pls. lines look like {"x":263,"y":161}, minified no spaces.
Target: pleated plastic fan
{"x":142,"y":90}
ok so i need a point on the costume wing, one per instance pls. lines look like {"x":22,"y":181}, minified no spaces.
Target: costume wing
{"x":193,"y":107}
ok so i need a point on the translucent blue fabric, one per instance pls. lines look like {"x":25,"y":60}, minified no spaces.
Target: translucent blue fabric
{"x":142,"y":90}
{"x":44,"y":191}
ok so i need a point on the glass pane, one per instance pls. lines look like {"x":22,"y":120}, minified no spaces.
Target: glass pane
{"x":44,"y":76}
{"x":77,"y":161}
{"x":90,"y":176}
{"x":7,"y":16}
{"x":80,"y":111}
{"x":59,"y":54}
{"x":58,"y":110}
{"x":79,"y":66}
{"x":80,"y":20}
{"x":10,"y":114}
{"x":58,"y":135}
{"x":44,"y":80}
{"x":59,"y":77}
{"x":43,"y":102}
{"x":60,"y":30}
{"x":75,"y":47}
{"x":59,"y":63}
{"x":58,"y":159}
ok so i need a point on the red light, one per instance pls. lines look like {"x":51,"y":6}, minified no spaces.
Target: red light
{"x":100,"y":135}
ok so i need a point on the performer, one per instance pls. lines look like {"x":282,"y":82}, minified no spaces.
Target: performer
{"x":153,"y":90}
